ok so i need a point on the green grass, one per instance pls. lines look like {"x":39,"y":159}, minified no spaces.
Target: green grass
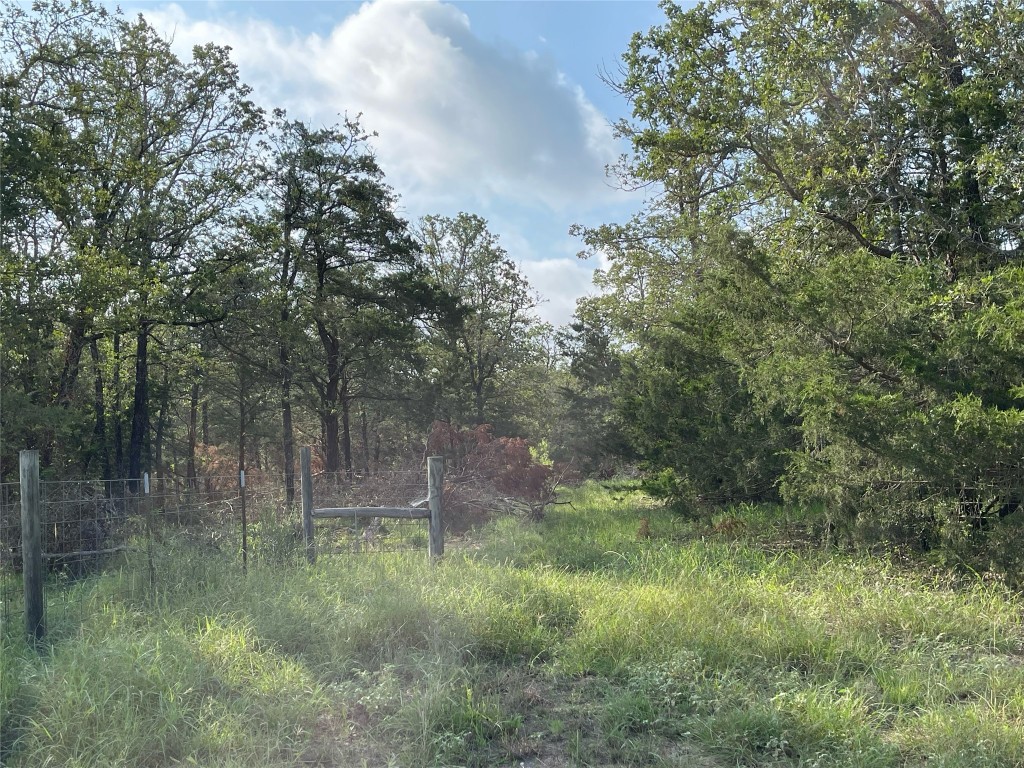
{"x":568,"y":642}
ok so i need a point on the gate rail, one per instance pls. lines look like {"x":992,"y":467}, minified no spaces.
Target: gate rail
{"x":415,"y":511}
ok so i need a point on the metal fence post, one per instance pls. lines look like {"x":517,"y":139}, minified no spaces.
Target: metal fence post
{"x":245,"y":522}
{"x":32,"y":546}
{"x":306,"y":467}
{"x":148,"y":510}
{"x":435,"y":488}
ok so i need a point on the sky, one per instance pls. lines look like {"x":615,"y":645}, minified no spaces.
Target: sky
{"x":493,"y":108}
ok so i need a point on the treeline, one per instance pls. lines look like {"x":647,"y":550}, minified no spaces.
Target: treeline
{"x":825,"y":304}
{"x":191,"y":285}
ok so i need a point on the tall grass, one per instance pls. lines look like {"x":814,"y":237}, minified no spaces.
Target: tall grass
{"x":570,"y":642}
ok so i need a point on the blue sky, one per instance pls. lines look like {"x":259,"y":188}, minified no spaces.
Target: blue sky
{"x":496,"y":108}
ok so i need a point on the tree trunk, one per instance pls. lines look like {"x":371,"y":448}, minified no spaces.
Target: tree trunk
{"x":158,"y":438}
{"x":286,"y":281}
{"x":100,"y":448}
{"x":119,"y":466}
{"x":287,"y":430}
{"x":73,"y":348}
{"x":138,"y":445}
{"x":207,"y":481}
{"x":331,"y":399}
{"x":332,"y":454}
{"x":346,"y":427}
{"x":478,"y":396}
{"x":191,"y":476}
{"x":364,"y":429}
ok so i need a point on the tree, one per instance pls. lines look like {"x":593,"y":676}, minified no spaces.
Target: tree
{"x":590,"y":432}
{"x":680,"y":402}
{"x":347,"y":269}
{"x":161,"y":270}
{"x":499,"y":330}
{"x":46,"y":278}
{"x":850,"y":167}
{"x":148,"y":156}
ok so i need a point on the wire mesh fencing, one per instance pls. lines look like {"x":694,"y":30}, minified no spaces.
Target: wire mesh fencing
{"x":87,"y":527}
{"x":11,"y":592}
{"x":154,"y":537}
{"x":238,"y":521}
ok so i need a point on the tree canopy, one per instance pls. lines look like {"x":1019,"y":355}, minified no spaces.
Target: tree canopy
{"x":182,"y":276}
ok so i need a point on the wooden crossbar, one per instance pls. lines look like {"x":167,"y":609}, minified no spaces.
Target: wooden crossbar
{"x":84,"y":553}
{"x":433,"y":513}
{"x":395,"y":513}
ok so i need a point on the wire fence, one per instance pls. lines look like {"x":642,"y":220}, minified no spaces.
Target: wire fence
{"x":87,"y":527}
{"x":154,"y":530}
{"x":11,"y":593}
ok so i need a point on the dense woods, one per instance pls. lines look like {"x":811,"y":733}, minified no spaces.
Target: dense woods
{"x":794,"y":403}
{"x":822,"y":305}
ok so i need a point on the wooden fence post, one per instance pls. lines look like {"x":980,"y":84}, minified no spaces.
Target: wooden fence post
{"x":306,"y":467}
{"x":32,"y":545}
{"x":435,"y":487}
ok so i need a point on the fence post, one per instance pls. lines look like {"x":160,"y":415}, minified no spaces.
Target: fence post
{"x":435,"y":486}
{"x":245,"y":522}
{"x":306,"y":467}
{"x":149,"y":510}
{"x":32,"y":545}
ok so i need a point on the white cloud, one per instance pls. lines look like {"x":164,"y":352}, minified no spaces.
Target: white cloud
{"x":462,"y":122}
{"x":561,"y":282}
{"x":463,"y":125}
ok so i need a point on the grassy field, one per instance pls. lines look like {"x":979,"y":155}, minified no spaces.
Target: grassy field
{"x":573,"y":642}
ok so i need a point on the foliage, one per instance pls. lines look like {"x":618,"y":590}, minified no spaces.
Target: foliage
{"x":180,"y":276}
{"x":346,"y":267}
{"x":472,"y":361}
{"x":838,"y":246}
{"x":590,"y":431}
{"x":139,"y":160}
{"x":679,"y":398}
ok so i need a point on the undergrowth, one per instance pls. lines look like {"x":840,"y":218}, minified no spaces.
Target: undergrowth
{"x":573,"y":641}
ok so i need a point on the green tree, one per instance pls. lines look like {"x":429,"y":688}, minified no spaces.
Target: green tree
{"x":147,"y":157}
{"x":850,"y":166}
{"x":347,"y":269}
{"x":46,"y":279}
{"x":672,"y":316}
{"x":589,"y":430}
{"x":499,"y":332}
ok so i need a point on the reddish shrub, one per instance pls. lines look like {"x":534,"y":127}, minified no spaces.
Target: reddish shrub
{"x":489,"y":474}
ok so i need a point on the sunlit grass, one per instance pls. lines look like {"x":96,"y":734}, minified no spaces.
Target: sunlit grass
{"x":573,"y":640}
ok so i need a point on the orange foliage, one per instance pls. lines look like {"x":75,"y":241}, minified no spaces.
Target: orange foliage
{"x":490,"y":472}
